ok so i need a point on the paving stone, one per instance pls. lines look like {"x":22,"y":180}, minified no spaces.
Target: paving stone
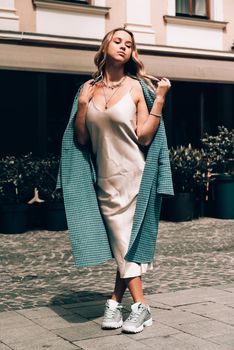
{"x":206,"y":308}
{"x":175,"y":299}
{"x":41,"y":312}
{"x":175,"y":317}
{"x":157,"y":329}
{"x":84,"y":304}
{"x":90,"y":311}
{"x":87,"y":330}
{"x":226,"y":287}
{"x":202,"y":344}
{"x":226,"y":316}
{"x":179,"y":298}
{"x":22,"y":335}
{"x":228,"y":339}
{"x":156,"y":305}
{"x":4,"y":347}
{"x":55,"y":343}
{"x":115,"y":342}
{"x":51,"y":323}
{"x":95,"y":312}
{"x":6,"y":322}
{"x":230,"y":304}
{"x":168,"y":343}
{"x":225,"y":299}
{"x":171,"y":343}
{"x":98,"y":320}
{"x":206,"y":329}
{"x":8,"y":314}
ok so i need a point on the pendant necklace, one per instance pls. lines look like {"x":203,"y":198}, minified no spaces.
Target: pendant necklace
{"x":112,"y":87}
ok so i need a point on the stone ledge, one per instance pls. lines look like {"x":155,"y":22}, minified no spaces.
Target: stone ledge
{"x":197,"y":22}
{"x":71,"y":7}
{"x":41,"y":39}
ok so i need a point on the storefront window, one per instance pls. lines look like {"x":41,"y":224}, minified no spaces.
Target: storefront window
{"x":192,"y":8}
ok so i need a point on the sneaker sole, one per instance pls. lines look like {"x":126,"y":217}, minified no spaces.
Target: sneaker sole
{"x":147,"y":323}
{"x":112,"y":326}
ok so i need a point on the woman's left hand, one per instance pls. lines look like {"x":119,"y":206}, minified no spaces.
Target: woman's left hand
{"x":162,"y":87}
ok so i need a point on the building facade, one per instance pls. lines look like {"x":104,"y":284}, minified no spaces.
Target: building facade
{"x":47,"y":49}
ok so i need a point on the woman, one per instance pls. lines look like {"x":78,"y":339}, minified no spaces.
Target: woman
{"x":111,"y":115}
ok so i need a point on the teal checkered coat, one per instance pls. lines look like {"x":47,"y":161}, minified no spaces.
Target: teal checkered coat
{"x":77,"y":178}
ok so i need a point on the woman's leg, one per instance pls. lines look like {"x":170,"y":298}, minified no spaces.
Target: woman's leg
{"x":120,"y":287}
{"x":134,"y":285}
{"x":113,"y":318}
{"x":140,"y":315}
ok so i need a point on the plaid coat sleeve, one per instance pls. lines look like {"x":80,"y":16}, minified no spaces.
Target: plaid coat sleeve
{"x":77,"y":176}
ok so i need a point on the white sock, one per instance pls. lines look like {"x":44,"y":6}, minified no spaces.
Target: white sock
{"x":137,"y":303}
{"x":112,"y":303}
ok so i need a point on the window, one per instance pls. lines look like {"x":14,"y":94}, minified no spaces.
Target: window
{"x":77,"y":1}
{"x":192,"y":8}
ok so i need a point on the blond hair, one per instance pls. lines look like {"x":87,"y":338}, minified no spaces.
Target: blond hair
{"x":134,"y":66}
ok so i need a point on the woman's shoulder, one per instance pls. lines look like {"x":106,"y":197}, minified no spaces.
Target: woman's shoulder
{"x":135,"y":83}
{"x":140,"y":83}
{"x":141,"y":87}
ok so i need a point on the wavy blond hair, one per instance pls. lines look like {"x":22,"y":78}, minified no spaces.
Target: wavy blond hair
{"x":134,"y":66}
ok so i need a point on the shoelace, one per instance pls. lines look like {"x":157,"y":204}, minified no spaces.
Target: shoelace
{"x":110,"y":312}
{"x":134,"y":314}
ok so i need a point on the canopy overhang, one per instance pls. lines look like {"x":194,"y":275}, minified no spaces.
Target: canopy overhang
{"x":33,"y":52}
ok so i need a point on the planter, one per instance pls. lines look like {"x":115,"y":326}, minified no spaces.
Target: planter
{"x":221,"y":197}
{"x":198,"y":208}
{"x":14,"y":218}
{"x":54,"y":217}
{"x":36,"y":216}
{"x":178,"y":208}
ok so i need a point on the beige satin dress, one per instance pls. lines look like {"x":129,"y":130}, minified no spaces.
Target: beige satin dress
{"x":119,"y":164}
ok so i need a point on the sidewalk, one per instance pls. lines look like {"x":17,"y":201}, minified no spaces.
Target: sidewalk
{"x":47,"y":303}
{"x":197,"y":319}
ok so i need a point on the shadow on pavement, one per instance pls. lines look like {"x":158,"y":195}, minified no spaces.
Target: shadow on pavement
{"x":79,"y":307}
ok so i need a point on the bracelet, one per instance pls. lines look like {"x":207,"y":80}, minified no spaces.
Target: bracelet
{"x":155,"y":115}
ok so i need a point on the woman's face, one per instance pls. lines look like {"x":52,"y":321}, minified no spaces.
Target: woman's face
{"x":120,"y":47}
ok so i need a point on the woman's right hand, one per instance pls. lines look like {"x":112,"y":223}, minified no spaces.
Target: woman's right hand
{"x":86,"y":92}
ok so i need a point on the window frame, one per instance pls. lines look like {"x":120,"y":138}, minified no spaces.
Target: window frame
{"x":79,"y":2}
{"x":191,"y":15}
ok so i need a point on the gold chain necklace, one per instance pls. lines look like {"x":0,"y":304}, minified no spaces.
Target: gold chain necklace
{"x":114,"y":85}
{"x":117,"y":86}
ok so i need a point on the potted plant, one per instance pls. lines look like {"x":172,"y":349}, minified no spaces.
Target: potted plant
{"x":220,"y":154}
{"x":189,"y":168}
{"x":54,"y":217}
{"x":15,"y":191}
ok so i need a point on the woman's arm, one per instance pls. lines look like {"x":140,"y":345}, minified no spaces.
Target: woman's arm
{"x":85,"y":96}
{"x":147,"y":123}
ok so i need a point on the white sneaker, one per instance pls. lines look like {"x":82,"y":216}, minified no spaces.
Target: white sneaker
{"x":112,"y":315}
{"x":139,"y":318}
